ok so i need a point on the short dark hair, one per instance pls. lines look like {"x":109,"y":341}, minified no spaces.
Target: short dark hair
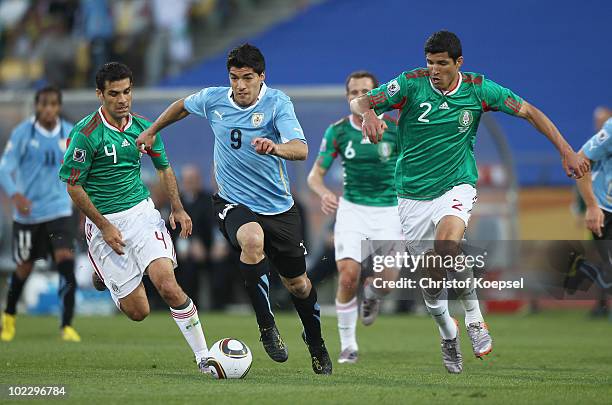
{"x":359,"y":75}
{"x":112,"y":72}
{"x":444,"y":41}
{"x":246,"y":55}
{"x":48,"y":89}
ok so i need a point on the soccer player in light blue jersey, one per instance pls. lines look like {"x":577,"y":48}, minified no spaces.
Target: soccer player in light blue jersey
{"x":256,"y":130}
{"x":42,"y":208}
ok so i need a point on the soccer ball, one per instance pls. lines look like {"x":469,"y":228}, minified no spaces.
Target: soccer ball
{"x":231,"y":359}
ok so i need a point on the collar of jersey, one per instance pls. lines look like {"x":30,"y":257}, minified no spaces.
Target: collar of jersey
{"x":111,"y":126}
{"x":49,"y":134}
{"x":450,"y":93}
{"x":262,"y":93}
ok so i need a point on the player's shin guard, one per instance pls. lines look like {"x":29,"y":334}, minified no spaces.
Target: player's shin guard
{"x":347,"y":323}
{"x":310,"y":314}
{"x":67,"y":290}
{"x":188,"y":321}
{"x":14,"y":293}
{"x":468,"y":297}
{"x":257,"y":285}
{"x":437,"y":306}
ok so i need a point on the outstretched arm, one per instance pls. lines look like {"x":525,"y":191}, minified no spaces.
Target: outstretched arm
{"x":178,"y":214}
{"x":573,"y":164}
{"x":175,"y":112}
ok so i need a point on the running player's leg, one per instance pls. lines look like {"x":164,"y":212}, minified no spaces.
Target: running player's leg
{"x":285,"y":245}
{"x":61,"y":236}
{"x":418,"y":228}
{"x":240,"y":227}
{"x":451,"y":215}
{"x":28,"y":245}
{"x":347,"y":244}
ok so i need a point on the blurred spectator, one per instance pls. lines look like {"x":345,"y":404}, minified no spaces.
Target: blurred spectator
{"x":170,"y":48}
{"x":97,"y":27}
{"x":192,"y":254}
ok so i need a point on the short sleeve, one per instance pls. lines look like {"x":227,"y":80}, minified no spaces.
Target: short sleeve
{"x":328,"y":150}
{"x":77,"y":159}
{"x":600,"y":144}
{"x":286,"y":123}
{"x":196,"y":103}
{"x":158,"y":154}
{"x":389,"y":96}
{"x":499,"y":98}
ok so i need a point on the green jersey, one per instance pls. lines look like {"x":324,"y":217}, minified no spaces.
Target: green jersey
{"x":368,"y":168}
{"x":106,"y":162}
{"x":437,"y":130}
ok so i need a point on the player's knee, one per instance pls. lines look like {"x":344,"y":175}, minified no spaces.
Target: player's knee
{"x":300,"y":287}
{"x":252,"y":243}
{"x":348,"y":281}
{"x":138,"y":313}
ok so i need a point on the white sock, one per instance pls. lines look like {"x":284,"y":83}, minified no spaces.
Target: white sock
{"x":347,"y":323}
{"x":189,"y":323}
{"x":438,"y":308}
{"x":468,"y":298}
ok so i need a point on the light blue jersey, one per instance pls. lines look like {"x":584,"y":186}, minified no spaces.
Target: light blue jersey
{"x":29,"y":165}
{"x":258,"y":181}
{"x":599,"y":150}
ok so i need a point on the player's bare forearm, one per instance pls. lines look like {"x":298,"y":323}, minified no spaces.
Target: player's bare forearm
{"x":315,"y":180}
{"x":83,"y":202}
{"x":175,"y":112}
{"x":585,"y":187}
{"x":360,"y":105}
{"x":170,"y":187}
{"x":292,"y":150}
{"x":542,"y":123}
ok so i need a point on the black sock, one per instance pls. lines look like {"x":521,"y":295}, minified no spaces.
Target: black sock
{"x":15,"y":289}
{"x":67,"y":290}
{"x":257,"y":285}
{"x":183,"y":306}
{"x":310,"y":314}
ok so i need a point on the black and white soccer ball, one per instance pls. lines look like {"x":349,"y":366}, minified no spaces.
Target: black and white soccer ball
{"x":231,"y":358}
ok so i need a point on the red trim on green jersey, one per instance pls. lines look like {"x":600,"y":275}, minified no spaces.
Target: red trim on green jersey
{"x":416,"y":74}
{"x":512,"y":104}
{"x":91,"y":125}
{"x":377,"y":100}
{"x":401,"y":104}
{"x":468,"y":78}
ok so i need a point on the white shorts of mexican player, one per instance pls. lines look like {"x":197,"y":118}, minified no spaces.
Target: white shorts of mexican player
{"x":356,"y":222}
{"x":146,"y":237}
{"x":419,"y":218}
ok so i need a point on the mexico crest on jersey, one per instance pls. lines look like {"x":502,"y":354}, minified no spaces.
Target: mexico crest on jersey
{"x":384,"y":151}
{"x":257,"y":119}
{"x":465,"y":118}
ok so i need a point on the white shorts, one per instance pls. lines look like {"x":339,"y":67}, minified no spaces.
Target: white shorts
{"x":419,"y":218}
{"x":356,"y":222}
{"x":146,"y":237}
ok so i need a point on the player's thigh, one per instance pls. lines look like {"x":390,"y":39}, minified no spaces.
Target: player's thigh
{"x":417,"y":225}
{"x":457,"y":202}
{"x":284,"y":239}
{"x":231,"y":217}
{"x":349,"y":232}
{"x":30,"y":242}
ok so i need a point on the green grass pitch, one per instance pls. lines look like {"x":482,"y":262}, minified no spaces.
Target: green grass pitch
{"x":553,"y":357}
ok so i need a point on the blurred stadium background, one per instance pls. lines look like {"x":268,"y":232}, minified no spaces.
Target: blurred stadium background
{"x":555,"y":54}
